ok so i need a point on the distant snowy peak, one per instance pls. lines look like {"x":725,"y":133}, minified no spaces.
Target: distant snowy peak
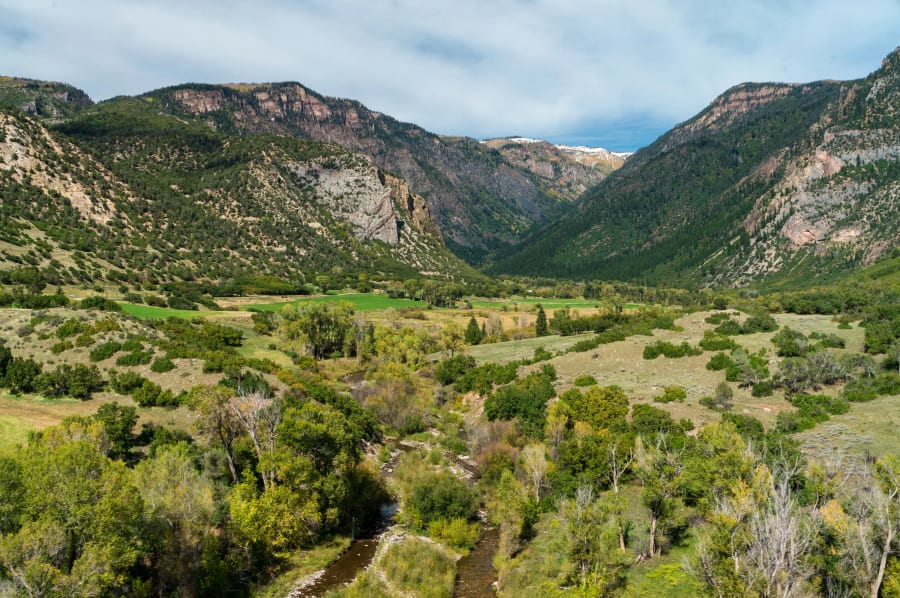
{"x":597,"y":151}
{"x":577,"y":150}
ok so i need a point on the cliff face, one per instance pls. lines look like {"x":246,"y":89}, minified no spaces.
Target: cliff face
{"x":770,"y":181}
{"x":479,"y":197}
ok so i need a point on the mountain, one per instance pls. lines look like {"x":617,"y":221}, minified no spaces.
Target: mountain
{"x":770,"y":181}
{"x":481,"y":197}
{"x":122,"y":191}
{"x":567,"y":171}
{"x":46,"y":99}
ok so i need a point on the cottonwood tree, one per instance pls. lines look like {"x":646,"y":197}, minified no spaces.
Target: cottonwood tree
{"x":590,"y":542}
{"x":259,"y":414}
{"x":533,"y":460}
{"x":217,"y":421}
{"x":872,"y":536}
{"x":659,"y":469}
{"x":321,"y":328}
{"x":618,"y":460}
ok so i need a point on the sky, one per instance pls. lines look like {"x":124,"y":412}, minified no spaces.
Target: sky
{"x":609,"y":73}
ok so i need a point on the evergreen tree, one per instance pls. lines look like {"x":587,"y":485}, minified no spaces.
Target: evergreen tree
{"x":540,"y":327}
{"x":473,"y":332}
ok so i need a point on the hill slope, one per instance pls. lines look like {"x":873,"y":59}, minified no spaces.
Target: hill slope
{"x":124,"y":193}
{"x":479,"y":197}
{"x":771,"y":180}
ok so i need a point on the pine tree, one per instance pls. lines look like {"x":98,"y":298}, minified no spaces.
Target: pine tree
{"x":473,"y":333}
{"x":540,"y":327}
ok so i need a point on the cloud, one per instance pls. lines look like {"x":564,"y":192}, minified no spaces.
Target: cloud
{"x":541,"y":68}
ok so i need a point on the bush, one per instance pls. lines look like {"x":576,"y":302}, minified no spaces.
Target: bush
{"x":728,"y":328}
{"x":441,"y":496}
{"x":790,"y":342}
{"x":719,"y":361}
{"x":458,"y":533}
{"x":763,"y":389}
{"x":135,"y":358}
{"x":21,"y":374}
{"x":99,"y":303}
{"x":125,"y":382}
{"x":716,"y":342}
{"x":61,"y":346}
{"x":669,"y":350}
{"x":162,"y":365}
{"x":585,"y":380}
{"x":717,"y":319}
{"x":671,"y":393}
{"x":104,"y":350}
{"x":152,"y":395}
{"x":70,"y":327}
{"x":450,"y":370}
{"x":79,"y":381}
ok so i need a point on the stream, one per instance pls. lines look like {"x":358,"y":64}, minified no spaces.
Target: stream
{"x":475,"y":573}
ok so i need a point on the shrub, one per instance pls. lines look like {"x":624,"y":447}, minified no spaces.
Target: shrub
{"x":716,"y":342}
{"x":125,"y":382}
{"x":135,"y":358}
{"x":671,"y":393}
{"x":669,"y":350}
{"x":728,"y":328}
{"x":99,"y":303}
{"x":790,"y":342}
{"x":152,"y":395}
{"x":70,"y":327}
{"x":450,"y":370}
{"x":21,"y":374}
{"x":585,"y":380}
{"x":79,"y":381}
{"x":719,"y":361}
{"x":161,"y":365}
{"x":763,"y":389}
{"x":717,"y":319}
{"x":85,"y":339}
{"x":442,"y":496}
{"x":458,"y":533}
{"x":104,"y":350}
{"x":61,"y":346}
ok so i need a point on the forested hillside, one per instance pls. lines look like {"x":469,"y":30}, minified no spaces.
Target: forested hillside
{"x":771,"y":180}
{"x":125,"y":193}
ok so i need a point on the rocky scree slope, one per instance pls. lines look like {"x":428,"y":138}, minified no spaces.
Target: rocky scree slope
{"x":771,"y":182}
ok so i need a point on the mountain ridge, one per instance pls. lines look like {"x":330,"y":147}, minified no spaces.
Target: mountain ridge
{"x":769,"y":180}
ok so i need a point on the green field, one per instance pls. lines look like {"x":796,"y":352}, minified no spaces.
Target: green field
{"x":361,"y":301}
{"x":13,"y":431}
{"x":545,"y":303}
{"x":147,"y":311}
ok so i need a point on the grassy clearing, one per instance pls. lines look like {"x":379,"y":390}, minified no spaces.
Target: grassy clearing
{"x":361,"y":301}
{"x":867,"y":429}
{"x":13,"y":431}
{"x":521,"y":349}
{"x":622,"y":364}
